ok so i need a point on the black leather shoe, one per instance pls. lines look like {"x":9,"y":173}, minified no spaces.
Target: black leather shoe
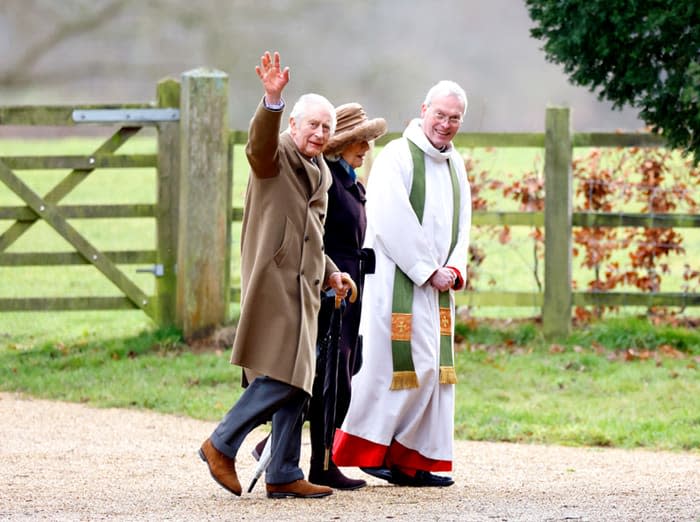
{"x":380,"y":473}
{"x":431,"y":479}
{"x":422,"y":479}
{"x":334,"y":478}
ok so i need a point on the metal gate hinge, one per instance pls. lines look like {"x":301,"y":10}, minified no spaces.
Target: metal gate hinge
{"x":156,"y":270}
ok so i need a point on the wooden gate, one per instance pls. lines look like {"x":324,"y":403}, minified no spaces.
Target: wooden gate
{"x":192,"y":164}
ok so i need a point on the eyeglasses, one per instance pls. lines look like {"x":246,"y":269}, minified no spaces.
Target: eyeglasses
{"x":442,"y":118}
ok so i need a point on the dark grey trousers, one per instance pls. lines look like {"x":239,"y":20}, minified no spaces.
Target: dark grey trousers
{"x":263,"y":400}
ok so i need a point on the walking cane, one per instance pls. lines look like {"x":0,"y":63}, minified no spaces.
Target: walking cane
{"x":330,"y":347}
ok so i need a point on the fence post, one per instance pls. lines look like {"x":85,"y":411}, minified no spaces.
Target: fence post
{"x":168,"y":192}
{"x":204,"y":229}
{"x":556,"y":310}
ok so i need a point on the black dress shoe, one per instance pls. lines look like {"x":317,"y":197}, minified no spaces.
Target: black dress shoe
{"x":334,"y":478}
{"x":431,"y":479}
{"x":422,"y":479}
{"x":380,"y":473}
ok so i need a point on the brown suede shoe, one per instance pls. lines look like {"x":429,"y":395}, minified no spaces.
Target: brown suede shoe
{"x":221,"y":467}
{"x":298,"y":489}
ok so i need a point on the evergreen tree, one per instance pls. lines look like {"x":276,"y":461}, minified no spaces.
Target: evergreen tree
{"x":640,"y":53}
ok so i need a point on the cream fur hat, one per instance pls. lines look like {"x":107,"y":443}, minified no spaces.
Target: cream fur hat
{"x":353,"y":126}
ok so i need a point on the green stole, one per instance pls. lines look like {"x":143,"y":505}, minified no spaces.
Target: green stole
{"x":404,"y":374}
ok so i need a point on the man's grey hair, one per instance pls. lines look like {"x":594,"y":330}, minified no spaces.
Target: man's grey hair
{"x":305,"y":101}
{"x":446,"y":88}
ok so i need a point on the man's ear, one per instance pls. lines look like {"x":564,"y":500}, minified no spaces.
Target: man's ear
{"x":423,"y":108}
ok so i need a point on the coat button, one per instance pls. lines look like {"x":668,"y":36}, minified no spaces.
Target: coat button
{"x":306,"y":238}
{"x":317,"y":282}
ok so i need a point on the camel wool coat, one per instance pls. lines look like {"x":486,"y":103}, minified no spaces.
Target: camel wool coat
{"x":283,"y":265}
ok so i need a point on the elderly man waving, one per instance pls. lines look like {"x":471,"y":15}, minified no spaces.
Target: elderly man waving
{"x":283,"y":269}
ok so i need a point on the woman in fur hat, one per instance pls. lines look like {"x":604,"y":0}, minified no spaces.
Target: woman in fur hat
{"x":343,"y":237}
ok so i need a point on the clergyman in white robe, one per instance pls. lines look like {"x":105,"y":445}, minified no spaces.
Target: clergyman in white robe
{"x":410,"y":429}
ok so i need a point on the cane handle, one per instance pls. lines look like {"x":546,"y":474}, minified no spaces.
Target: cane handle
{"x":353,"y":290}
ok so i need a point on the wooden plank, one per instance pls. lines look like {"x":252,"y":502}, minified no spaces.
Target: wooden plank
{"x":483,"y":139}
{"x":123,"y":257}
{"x":610,"y":219}
{"x":230,"y":154}
{"x":95,"y":161}
{"x":635,"y":299}
{"x":514,"y":299}
{"x":536,"y":299}
{"x":84,"y":212}
{"x":53,"y":114}
{"x":66,"y":185}
{"x":51,"y":304}
{"x":237,"y":137}
{"x":499,"y":139}
{"x":479,"y":217}
{"x":521,"y":139}
{"x":556,"y":310}
{"x":490,"y":217}
{"x":167,"y":210}
{"x":49,"y":213}
{"x":617,"y":139}
{"x":204,"y":245}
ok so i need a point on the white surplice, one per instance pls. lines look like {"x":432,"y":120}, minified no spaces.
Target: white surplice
{"x":421,"y":419}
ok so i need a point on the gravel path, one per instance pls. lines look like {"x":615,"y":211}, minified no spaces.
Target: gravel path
{"x":62,"y":461}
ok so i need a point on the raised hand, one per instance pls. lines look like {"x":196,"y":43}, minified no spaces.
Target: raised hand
{"x":273,"y":78}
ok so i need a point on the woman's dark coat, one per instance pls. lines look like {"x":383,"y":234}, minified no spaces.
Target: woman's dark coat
{"x":344,"y":234}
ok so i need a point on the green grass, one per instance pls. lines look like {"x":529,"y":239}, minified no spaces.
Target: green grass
{"x":22,"y":330}
{"x":617,"y":384}
{"x":151,"y":370}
